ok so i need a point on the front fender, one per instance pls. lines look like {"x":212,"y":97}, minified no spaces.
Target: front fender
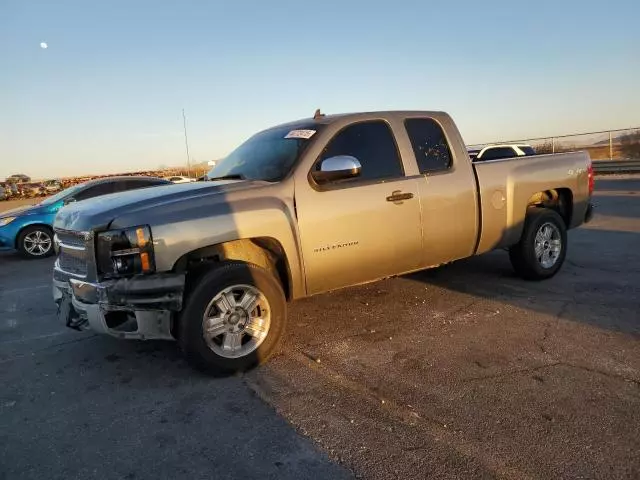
{"x":261,"y":212}
{"x":250,"y":218}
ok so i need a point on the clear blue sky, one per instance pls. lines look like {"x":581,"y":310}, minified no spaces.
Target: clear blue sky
{"x":106,"y":95}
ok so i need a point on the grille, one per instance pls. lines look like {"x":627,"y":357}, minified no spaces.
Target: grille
{"x":73,"y":255}
{"x":72,"y":262}
{"x":71,"y":238}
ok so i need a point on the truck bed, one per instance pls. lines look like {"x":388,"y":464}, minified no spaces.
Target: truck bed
{"x":506,"y":188}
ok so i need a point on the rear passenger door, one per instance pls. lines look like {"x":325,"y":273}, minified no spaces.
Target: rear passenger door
{"x":447,"y":192}
{"x":352,"y":231}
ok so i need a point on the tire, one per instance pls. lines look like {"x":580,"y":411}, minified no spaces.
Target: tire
{"x":531,"y":264}
{"x":218,"y":353}
{"x":36,"y":241}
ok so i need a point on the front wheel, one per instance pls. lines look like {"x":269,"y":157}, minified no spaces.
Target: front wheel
{"x":543,"y":246}
{"x":36,"y":242}
{"x":233,"y":319}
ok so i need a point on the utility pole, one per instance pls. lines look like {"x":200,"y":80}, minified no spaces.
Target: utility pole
{"x":186,"y":142}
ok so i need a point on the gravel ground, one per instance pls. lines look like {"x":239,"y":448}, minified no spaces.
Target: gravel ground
{"x":460,"y":372}
{"x":11,"y":204}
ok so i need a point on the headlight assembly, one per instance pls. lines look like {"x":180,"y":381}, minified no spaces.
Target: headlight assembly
{"x":124,"y":252}
{"x":6,"y":220}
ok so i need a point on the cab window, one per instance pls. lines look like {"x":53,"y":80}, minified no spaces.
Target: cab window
{"x":430,"y":146}
{"x":373,"y":144}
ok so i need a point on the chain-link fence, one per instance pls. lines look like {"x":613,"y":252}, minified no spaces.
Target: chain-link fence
{"x":621,"y":144}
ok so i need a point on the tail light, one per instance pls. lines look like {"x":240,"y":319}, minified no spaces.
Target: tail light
{"x":591,"y":179}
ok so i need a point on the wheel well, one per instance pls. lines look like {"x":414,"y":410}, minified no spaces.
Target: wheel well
{"x":559,"y":199}
{"x":265,"y":252}
{"x":48,"y":227}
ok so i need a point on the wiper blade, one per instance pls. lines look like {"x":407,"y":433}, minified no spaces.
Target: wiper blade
{"x":235,"y":176}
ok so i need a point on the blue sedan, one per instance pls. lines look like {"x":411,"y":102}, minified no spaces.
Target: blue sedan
{"x":28,"y":229}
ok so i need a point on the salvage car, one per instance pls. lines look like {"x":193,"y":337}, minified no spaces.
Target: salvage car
{"x":18,"y":178}
{"x":28,"y":229}
{"x":496,"y":152}
{"x":300,"y":209}
{"x":52,"y":186}
{"x":180,"y":179}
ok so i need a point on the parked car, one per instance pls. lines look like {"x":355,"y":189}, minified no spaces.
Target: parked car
{"x":18,"y":178}
{"x":495,"y":152}
{"x":28,"y":229}
{"x":300,"y":209}
{"x":52,"y":186}
{"x":31,"y":190}
{"x":179,"y":179}
{"x":12,"y":190}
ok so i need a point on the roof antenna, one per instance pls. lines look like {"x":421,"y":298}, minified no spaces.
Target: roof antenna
{"x":318,"y":115}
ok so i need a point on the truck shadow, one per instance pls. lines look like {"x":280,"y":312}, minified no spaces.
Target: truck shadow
{"x":597,"y":285}
{"x":128,"y":396}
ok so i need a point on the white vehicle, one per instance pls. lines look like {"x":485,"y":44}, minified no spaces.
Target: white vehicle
{"x":178,"y":179}
{"x":494,"y":152}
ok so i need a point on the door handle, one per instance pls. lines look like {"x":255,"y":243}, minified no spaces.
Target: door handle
{"x":398,"y":196}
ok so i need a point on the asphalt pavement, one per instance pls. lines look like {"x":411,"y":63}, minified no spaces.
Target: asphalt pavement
{"x":464,"y":371}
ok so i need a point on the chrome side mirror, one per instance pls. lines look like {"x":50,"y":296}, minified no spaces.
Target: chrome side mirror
{"x":340,"y":167}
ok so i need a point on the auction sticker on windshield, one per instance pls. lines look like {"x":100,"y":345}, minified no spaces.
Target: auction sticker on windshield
{"x":306,"y":134}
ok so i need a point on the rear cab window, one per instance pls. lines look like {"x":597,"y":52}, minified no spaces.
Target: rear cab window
{"x":430,"y":145}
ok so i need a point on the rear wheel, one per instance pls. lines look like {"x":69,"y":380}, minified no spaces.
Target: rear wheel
{"x":233,"y":319}
{"x":542,"y":248}
{"x":36,"y":241}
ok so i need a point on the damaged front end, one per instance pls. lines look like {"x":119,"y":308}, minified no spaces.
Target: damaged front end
{"x":140,"y":307}
{"x":107,"y":282}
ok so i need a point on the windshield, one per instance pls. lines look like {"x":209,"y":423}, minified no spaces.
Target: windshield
{"x":63,"y":194}
{"x":268,"y":155}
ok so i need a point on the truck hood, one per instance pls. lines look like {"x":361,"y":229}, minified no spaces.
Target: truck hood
{"x":98,"y":213}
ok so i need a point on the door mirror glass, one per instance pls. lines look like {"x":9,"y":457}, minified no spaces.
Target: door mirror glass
{"x":340,"y":167}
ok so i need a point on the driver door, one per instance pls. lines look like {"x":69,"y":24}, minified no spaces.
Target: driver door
{"x":365,"y":228}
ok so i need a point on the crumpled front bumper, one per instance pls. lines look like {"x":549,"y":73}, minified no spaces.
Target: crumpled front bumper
{"x":140,"y":307}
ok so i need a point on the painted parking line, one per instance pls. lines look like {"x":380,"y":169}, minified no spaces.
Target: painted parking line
{"x":37,"y":337}
{"x":24,"y":289}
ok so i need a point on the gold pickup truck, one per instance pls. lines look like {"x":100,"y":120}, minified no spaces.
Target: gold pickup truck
{"x":299,"y":209}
